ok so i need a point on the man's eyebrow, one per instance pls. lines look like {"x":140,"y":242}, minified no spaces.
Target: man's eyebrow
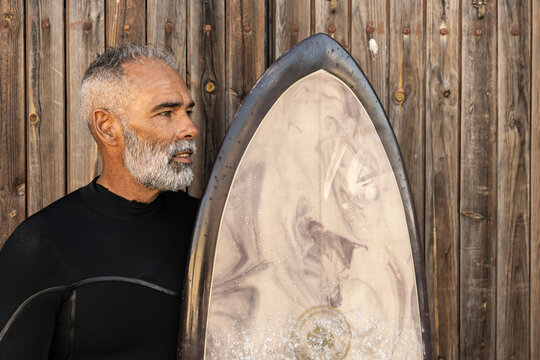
{"x":166,"y":105}
{"x":171,"y":105}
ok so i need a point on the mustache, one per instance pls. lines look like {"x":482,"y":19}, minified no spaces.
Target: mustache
{"x":181,"y":146}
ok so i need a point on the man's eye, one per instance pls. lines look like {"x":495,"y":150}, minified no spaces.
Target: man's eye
{"x":189,"y":112}
{"x":165,"y":113}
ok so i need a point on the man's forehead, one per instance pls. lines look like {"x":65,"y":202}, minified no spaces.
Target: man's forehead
{"x":146,"y":69}
{"x":157,"y":79}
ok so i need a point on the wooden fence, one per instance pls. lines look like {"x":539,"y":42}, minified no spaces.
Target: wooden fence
{"x":462,"y":93}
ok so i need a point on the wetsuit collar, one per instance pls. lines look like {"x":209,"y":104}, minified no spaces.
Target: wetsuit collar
{"x":114,"y":206}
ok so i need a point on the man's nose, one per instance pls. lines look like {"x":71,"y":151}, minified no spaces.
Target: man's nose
{"x":188,"y":130}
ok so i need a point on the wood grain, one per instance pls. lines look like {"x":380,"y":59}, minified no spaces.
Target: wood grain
{"x":246,"y":51}
{"x":333,"y":18}
{"x":85,"y":38}
{"x":513,"y":174}
{"x":369,"y":43}
{"x":292,"y":24}
{"x":166,"y":25}
{"x":45,"y":103}
{"x":206,"y":53}
{"x":478,"y":184}
{"x":535,"y":184}
{"x":12,"y":134}
{"x":442,"y":171}
{"x":407,"y":92}
{"x":125,"y":22}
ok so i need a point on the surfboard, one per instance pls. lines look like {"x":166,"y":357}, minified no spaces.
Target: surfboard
{"x":306,"y":244}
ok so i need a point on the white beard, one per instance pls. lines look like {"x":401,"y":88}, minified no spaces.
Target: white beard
{"x":151,"y":163}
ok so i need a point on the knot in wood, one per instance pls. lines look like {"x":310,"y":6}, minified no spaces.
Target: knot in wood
{"x":478,"y":32}
{"x":210,"y":87}
{"x":87,"y":25}
{"x":294,"y":29}
{"x":13,"y":213}
{"x":169,"y":27}
{"x":446,"y":93}
{"x":472,"y":214}
{"x":247,"y":28}
{"x":333,"y":5}
{"x":406,"y":30}
{"x":515,"y":32}
{"x":127,"y":27}
{"x":33,"y":118}
{"x":207,"y":28}
{"x":8,"y":17}
{"x":444,"y":31}
{"x":370,"y":29}
{"x":21,"y":189}
{"x":399,"y":96}
{"x":331,"y":29}
{"x":45,"y":24}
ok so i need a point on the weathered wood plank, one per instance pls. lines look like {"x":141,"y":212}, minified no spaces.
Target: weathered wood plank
{"x":369,"y":43}
{"x":535,"y":184}
{"x":333,"y":18}
{"x":406,"y":92}
{"x":292,"y":24}
{"x":45,"y":103}
{"x":478,"y":185}
{"x":442,"y":170}
{"x":166,"y":25}
{"x":86,"y":38}
{"x":246,"y":52}
{"x":513,"y":217}
{"x":12,"y":136}
{"x":125,"y":22}
{"x":206,"y":54}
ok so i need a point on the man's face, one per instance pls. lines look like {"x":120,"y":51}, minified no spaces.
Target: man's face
{"x":158,"y":133}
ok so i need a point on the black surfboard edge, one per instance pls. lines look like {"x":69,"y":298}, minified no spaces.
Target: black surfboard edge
{"x":318,"y":52}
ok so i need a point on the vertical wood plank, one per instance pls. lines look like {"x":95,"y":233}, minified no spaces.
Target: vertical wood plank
{"x":535,"y":185}
{"x":406,"y":92}
{"x":333,"y":18}
{"x":246,"y":51}
{"x":126,"y":20}
{"x":12,"y":133}
{"x":292,"y":24}
{"x":166,"y":25}
{"x":478,"y":208}
{"x":442,"y":170}
{"x":513,"y":220}
{"x":369,"y":43}
{"x":45,"y":103}
{"x":86,"y":38}
{"x":207,"y":73}
{"x":406,"y":95}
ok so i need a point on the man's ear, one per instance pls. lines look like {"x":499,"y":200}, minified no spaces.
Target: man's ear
{"x":106,"y":126}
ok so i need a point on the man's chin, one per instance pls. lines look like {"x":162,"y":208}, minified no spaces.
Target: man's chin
{"x":177,"y":180}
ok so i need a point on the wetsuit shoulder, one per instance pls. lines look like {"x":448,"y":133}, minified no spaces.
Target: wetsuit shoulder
{"x":31,"y":282}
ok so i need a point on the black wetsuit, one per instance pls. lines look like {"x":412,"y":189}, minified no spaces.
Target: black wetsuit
{"x":95,"y":276}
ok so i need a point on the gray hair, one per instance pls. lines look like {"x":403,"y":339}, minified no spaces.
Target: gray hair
{"x":104,"y":83}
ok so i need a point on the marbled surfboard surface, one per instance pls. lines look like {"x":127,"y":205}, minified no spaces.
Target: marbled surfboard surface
{"x":313,"y":256}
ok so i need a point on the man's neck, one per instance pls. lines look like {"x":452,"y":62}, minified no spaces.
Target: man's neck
{"x":126,"y":186}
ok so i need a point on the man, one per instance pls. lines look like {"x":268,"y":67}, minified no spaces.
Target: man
{"x":98,"y":274}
